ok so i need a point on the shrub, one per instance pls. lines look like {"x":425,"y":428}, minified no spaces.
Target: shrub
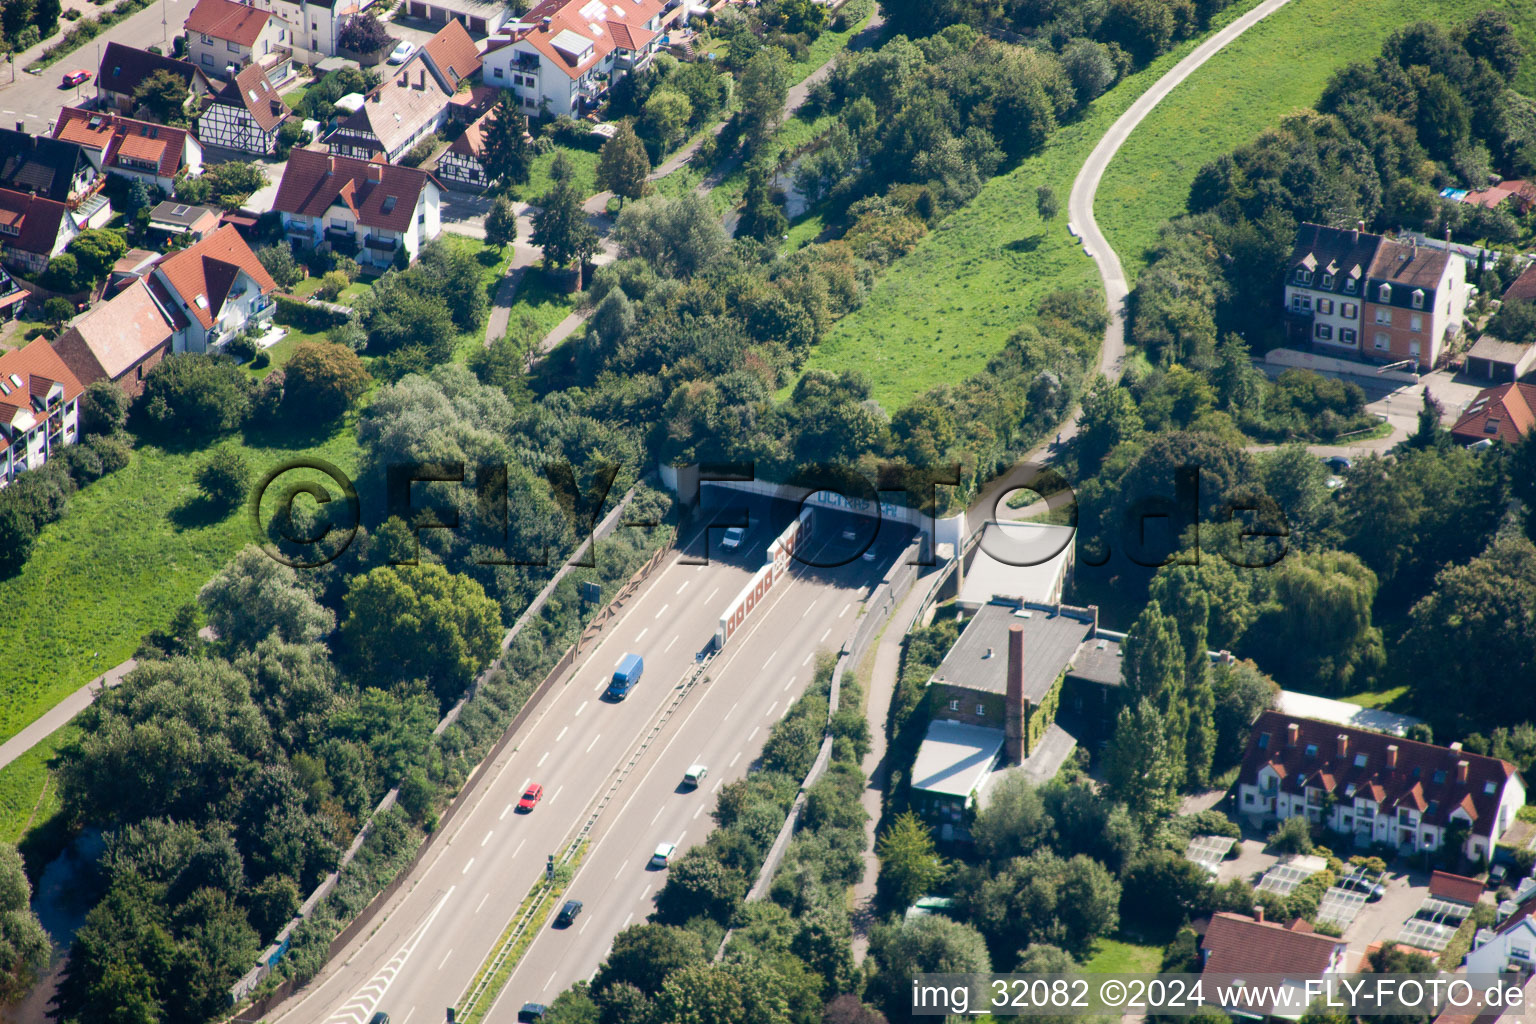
{"x":1293,"y":835}
{"x":241,"y":347}
{"x":363,"y":34}
{"x":324,"y":379}
{"x":279,"y":262}
{"x":103,"y":408}
{"x":224,"y":478}
{"x":62,"y":273}
{"x":332,"y":284}
{"x":57,"y":311}
{"x":195,"y":394}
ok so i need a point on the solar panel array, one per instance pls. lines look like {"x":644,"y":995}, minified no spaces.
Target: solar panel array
{"x":1282,"y":878}
{"x":1439,"y":910}
{"x":1428,"y":935}
{"x":1340,"y":906}
{"x":1210,"y":850}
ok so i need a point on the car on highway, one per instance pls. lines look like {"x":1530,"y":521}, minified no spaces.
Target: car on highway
{"x":568,"y":913}
{"x":631,"y":667}
{"x":76,"y":77}
{"x":663,"y":855}
{"x":531,"y":1013}
{"x":695,"y":775}
{"x":402,"y":52}
{"x":530,"y":798}
{"x":733,"y":538}
{"x":379,"y":1018}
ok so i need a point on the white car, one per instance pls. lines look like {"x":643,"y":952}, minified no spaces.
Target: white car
{"x":663,"y":855}
{"x":402,"y":52}
{"x":695,"y":775}
{"x":733,"y":538}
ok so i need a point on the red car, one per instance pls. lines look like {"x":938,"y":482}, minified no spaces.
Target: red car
{"x":76,"y":77}
{"x":530,"y":798}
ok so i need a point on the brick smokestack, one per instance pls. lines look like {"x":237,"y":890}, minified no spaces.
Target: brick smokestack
{"x":1013,"y":705}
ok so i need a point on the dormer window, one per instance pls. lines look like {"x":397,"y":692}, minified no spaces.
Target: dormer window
{"x":1349,"y":285}
{"x":1327,"y":280}
{"x":1303,"y":275}
{"x":1418,"y":298}
{"x":1384,"y":293}
{"x":1360,"y":760}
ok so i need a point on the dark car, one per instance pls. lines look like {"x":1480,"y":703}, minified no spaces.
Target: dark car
{"x":1497,"y":874}
{"x":568,"y":913}
{"x":1337,"y":463}
{"x":1373,"y":890}
{"x":379,"y":1018}
{"x":530,"y":1013}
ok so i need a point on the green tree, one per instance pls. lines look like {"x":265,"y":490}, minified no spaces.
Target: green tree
{"x":666,"y":117}
{"x":323,"y":379}
{"x":622,"y":165}
{"x":910,"y":864}
{"x":501,"y":222}
{"x":421,"y":622}
{"x":1046,"y":203}
{"x":1316,"y":630}
{"x":58,"y":311}
{"x":96,"y":250}
{"x":508,"y":154}
{"x":929,"y":944}
{"x":562,"y":229}
{"x":196,"y":395}
{"x":256,"y":596}
{"x":277,"y":259}
{"x":62,"y":274}
{"x":678,"y":237}
{"x":763,"y":90}
{"x":224,"y":478}
{"x":164,"y":95}
{"x":1429,"y":433}
{"x":699,"y":885}
{"x":761,"y":217}
{"x":1139,"y":768}
{"x":24,"y":946}
{"x":332,"y":285}
{"x":644,"y":954}
{"x":1109,"y":417}
{"x":103,"y":408}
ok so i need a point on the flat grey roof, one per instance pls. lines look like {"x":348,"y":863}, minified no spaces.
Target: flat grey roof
{"x":1498,"y":350}
{"x":1050,"y":641}
{"x":955,"y":758}
{"x":1098,"y":661}
{"x":1030,"y":564}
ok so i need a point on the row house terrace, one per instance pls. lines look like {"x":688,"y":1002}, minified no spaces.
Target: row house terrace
{"x":143,"y":150}
{"x":1376,"y":788}
{"x":39,"y":408}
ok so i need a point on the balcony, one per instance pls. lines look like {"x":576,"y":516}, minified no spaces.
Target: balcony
{"x":382,"y":244}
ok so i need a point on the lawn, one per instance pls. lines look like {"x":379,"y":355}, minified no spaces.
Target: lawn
{"x":28,"y":792}
{"x":1112,"y":956}
{"x":1386,"y":700}
{"x":584,"y":161}
{"x":1277,"y":66}
{"x":132,"y":548}
{"x":940,"y":312}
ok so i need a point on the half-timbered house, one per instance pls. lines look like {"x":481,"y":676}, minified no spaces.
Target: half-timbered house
{"x":245,"y":115}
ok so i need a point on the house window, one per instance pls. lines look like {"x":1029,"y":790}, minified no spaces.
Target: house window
{"x":1418,"y":298}
{"x":1413,"y":348}
{"x":1429,"y":839}
{"x":1360,"y":760}
{"x":208,"y":60}
{"x":1349,"y":309}
{"x":1323,"y":332}
{"x":1416,"y":322}
{"x":1325,"y":306}
{"x":1383,"y":316}
{"x":954,"y":705}
{"x":1349,"y":285}
{"x":981,"y":710}
{"x":1303,"y":275}
{"x":1383,"y":341}
{"x":1384,"y":293}
{"x":231,"y":46}
{"x":207,"y":39}
{"x":496,"y":73}
{"x":1327,"y":280}
{"x":1347,"y":336}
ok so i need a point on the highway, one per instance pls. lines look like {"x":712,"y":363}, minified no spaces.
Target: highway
{"x":420,"y":957}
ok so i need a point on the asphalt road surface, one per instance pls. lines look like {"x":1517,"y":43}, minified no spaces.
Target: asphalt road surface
{"x":420,"y":958}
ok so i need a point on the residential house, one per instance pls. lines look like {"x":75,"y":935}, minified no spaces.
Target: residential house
{"x":1261,"y":953}
{"x":34,"y":230}
{"x":1003,"y":676}
{"x":47,"y":167}
{"x":173,"y":218}
{"x":245,"y":115}
{"x":39,"y":408}
{"x":217,"y":286}
{"x":481,"y":17}
{"x":561,"y":57}
{"x":462,"y":163}
{"x":358,"y":206}
{"x":13,"y":297}
{"x":1504,"y":413}
{"x":1325,"y":286}
{"x":1376,"y":788}
{"x":224,"y":36}
{"x":1498,"y":360}
{"x":1519,"y":194}
{"x":142,"y":150}
{"x":314,"y":25}
{"x":121,"y":339}
{"x":1416,"y":298}
{"x":1522,"y":288}
{"x":1510,"y":945}
{"x":124,"y":68}
{"x":412,"y":102}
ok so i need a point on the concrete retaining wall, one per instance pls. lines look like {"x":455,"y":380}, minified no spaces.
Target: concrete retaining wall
{"x":1289,"y":358}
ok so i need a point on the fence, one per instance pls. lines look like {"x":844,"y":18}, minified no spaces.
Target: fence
{"x":274,"y":953}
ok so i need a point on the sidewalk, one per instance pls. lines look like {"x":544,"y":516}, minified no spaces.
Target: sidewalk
{"x":58,"y":716}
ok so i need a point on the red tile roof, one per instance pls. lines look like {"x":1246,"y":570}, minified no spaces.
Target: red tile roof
{"x":453,"y":54}
{"x":1238,"y":945}
{"x":117,"y":136}
{"x":1455,"y":887}
{"x":1407,"y":265}
{"x":1524,"y":287}
{"x":109,"y":340}
{"x":313,"y":181}
{"x":1425,"y":776}
{"x":252,"y":90}
{"x":209,"y":268}
{"x":603,"y":24}
{"x":37,"y":221}
{"x":39,"y":368}
{"x":225,"y":19}
{"x":1503,"y":413}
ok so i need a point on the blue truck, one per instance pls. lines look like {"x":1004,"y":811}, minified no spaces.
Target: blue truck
{"x":625,"y":676}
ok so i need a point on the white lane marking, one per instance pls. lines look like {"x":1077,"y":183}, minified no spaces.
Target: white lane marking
{"x":657,"y":814}
{"x":712,"y":594}
{"x":557,"y":795}
{"x":542,"y":760}
{"x":445,"y":960}
{"x":581,"y":709}
{"x":641,"y":635}
{"x":594,"y":742}
{"x":733,"y":762}
{"x":551,"y":980}
{"x":663,"y":610}
{"x":519,"y":849}
{"x":469,"y":864}
{"x":754,"y":732}
{"x":628,"y":919}
{"x":679,"y":591}
{"x":825,"y":635}
{"x":563,"y":731}
{"x":844,"y":611}
{"x":807,"y":660}
{"x":790,"y":682}
{"x":770,"y":715}
{"x":482,"y":902}
{"x":769,"y":660}
{"x":362,"y":1005}
{"x":729,"y":713}
{"x":680,"y":836}
{"x":699,"y":811}
{"x":808,"y":608}
{"x":487,"y":838}
{"x":504,"y":811}
{"x":619,"y":662}
{"x":583,"y":926}
{"x":718,"y":783}
{"x":407,"y":1018}
{"x":667,"y":648}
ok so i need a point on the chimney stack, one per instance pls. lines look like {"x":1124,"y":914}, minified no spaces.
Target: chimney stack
{"x":1292,"y":734}
{"x":1013,"y":704}
{"x":421,"y":73}
{"x":1343,"y":745}
{"x":1455,"y":747}
{"x":1392,"y":756}
{"x":1258,"y":912}
{"x":331,"y":164}
{"x":1359,"y":227}
{"x":1461,"y":773}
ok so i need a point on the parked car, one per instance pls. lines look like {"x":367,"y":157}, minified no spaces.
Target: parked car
{"x":568,"y":913}
{"x":531,"y":1013}
{"x":1373,"y":890}
{"x":1337,"y":463}
{"x":76,"y":77}
{"x":1497,"y":874}
{"x":531,"y":798}
{"x":663,"y":855}
{"x":733,"y":538}
{"x":402,"y":52}
{"x":695,"y":775}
